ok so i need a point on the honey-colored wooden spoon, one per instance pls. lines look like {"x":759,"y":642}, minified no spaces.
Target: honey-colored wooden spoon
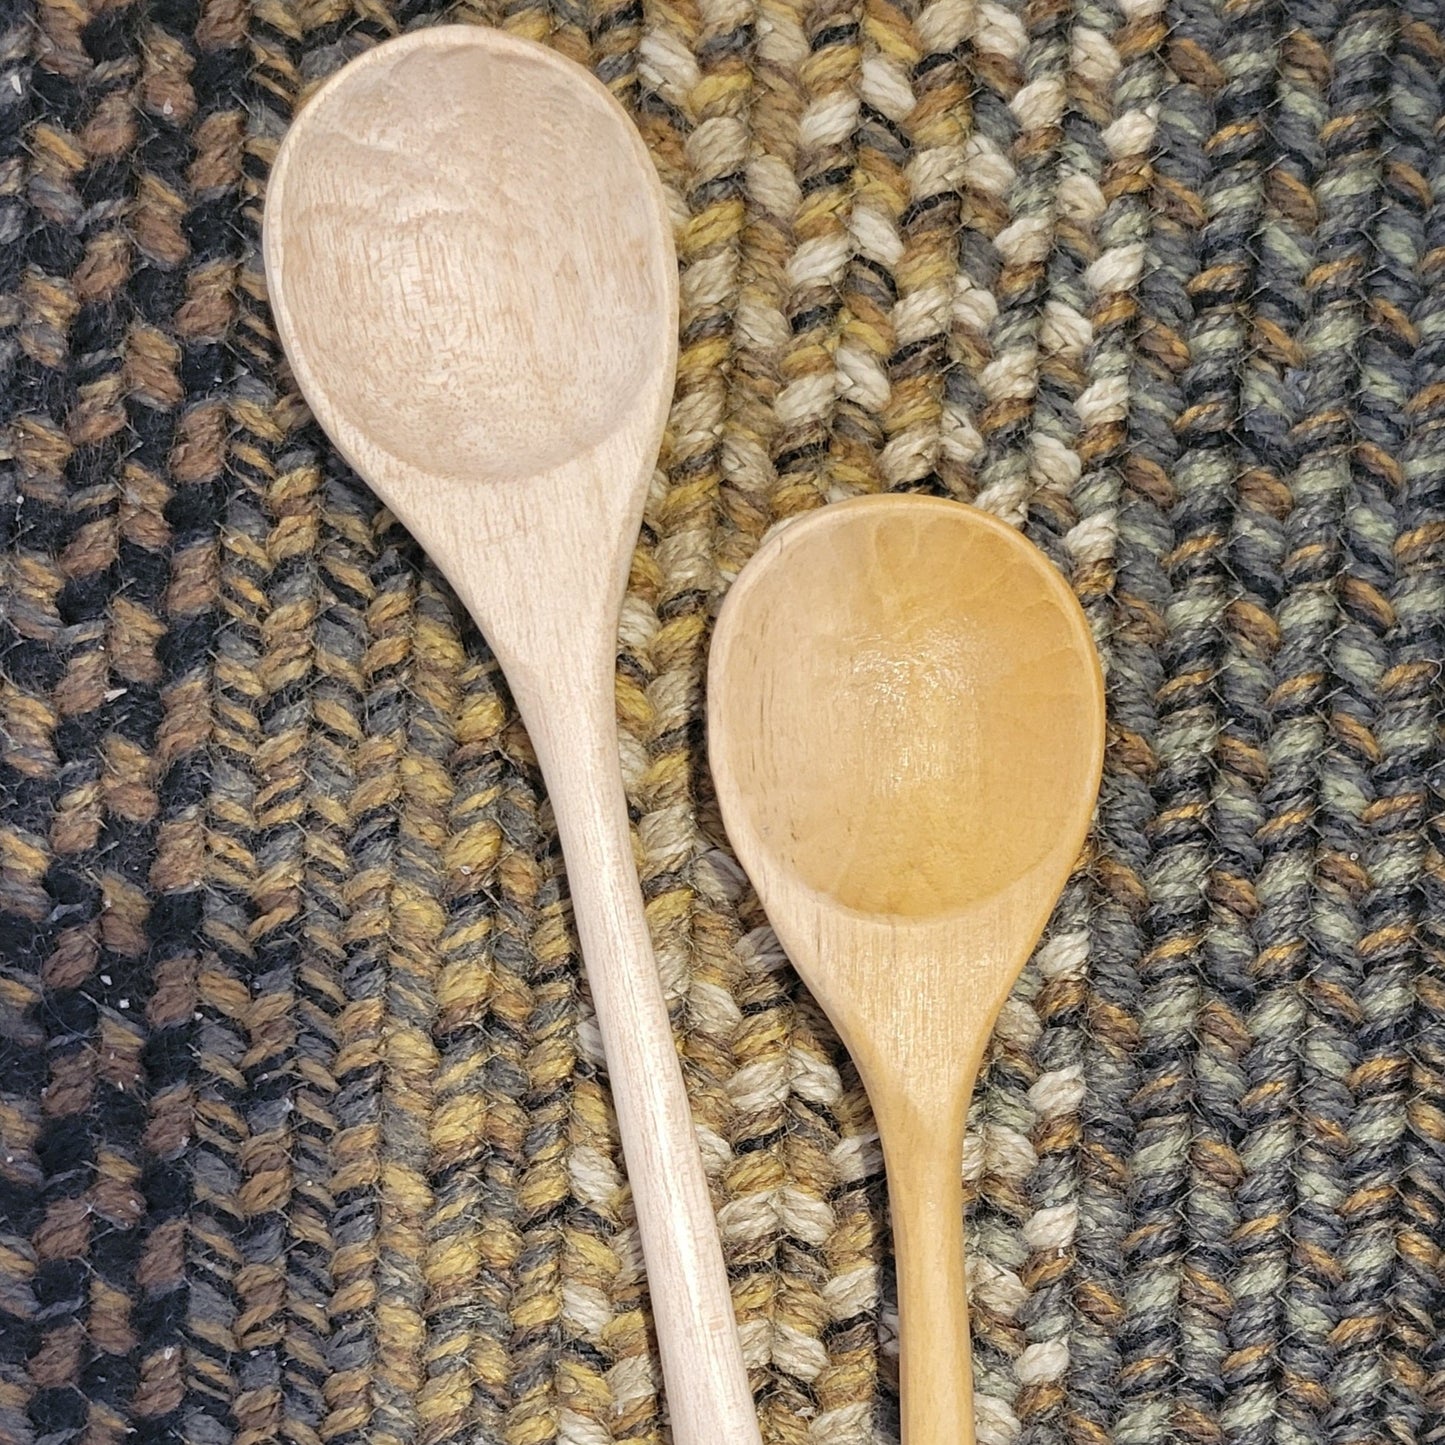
{"x":470,"y":263}
{"x":906,"y":723}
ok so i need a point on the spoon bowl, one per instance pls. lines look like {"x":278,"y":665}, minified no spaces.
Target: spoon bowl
{"x":449,"y":345}
{"x":906,"y":729}
{"x":470,"y":264}
{"x":943,"y":728}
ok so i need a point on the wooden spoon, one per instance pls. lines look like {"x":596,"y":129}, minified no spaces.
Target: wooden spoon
{"x":470,"y":263}
{"x":906,"y":722}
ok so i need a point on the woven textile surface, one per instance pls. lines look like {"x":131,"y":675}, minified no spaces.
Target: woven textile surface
{"x":305,"y":1132}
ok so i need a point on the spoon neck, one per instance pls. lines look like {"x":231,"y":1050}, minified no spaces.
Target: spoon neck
{"x":923,"y":1139}
{"x":571,"y":718}
{"x":920,"y":1097}
{"x":925,"y":1188}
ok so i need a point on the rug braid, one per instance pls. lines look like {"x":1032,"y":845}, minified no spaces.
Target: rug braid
{"x":305,"y":1124}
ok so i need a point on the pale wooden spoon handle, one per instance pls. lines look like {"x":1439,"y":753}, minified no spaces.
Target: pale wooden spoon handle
{"x":925,"y":1195}
{"x":708,"y":1397}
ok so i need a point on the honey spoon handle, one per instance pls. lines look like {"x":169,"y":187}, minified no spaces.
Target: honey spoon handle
{"x":572,"y":724}
{"x":924,"y":1160}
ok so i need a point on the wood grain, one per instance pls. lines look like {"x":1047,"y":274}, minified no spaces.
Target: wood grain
{"x":909,"y":864}
{"x":471,"y":270}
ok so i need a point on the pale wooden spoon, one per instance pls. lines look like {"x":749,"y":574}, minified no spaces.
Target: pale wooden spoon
{"x":470,"y":263}
{"x":906,"y":724}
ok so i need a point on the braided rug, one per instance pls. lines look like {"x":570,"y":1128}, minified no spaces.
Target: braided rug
{"x":305,"y":1133}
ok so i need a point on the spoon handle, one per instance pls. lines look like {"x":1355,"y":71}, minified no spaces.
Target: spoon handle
{"x":573,"y":728}
{"x":924,"y":1160}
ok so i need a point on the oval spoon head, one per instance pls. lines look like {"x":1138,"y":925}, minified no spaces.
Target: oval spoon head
{"x":906,"y":729}
{"x":470,"y":263}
